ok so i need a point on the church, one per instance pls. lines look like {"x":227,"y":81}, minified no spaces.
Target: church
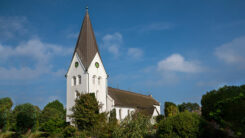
{"x":87,"y":74}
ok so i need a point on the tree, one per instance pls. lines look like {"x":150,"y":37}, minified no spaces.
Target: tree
{"x":86,"y":113}
{"x":53,"y":118}
{"x":226,"y":107}
{"x":25,"y":116}
{"x":188,"y":106}
{"x":182,"y":125}
{"x":5,"y":111}
{"x":170,"y":109}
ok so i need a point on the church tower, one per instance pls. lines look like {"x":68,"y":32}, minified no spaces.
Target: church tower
{"x":86,"y":73}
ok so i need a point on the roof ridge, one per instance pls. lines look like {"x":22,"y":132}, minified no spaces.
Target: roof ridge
{"x":135,"y":93}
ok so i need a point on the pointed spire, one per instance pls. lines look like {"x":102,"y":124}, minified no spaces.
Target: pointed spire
{"x":86,"y":46}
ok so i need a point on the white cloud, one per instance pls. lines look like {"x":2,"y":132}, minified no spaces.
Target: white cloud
{"x":177,"y":63}
{"x":112,"y":43}
{"x":232,"y":52}
{"x":34,"y":49}
{"x":135,"y":52}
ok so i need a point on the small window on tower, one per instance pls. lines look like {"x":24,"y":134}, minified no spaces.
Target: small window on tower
{"x":94,"y":77}
{"x":79,"y":79}
{"x":99,"y":80}
{"x":74,"y":81}
{"x":97,"y":94}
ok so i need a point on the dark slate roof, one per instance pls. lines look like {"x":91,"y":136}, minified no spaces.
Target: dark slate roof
{"x":124,"y":98}
{"x":86,"y":46}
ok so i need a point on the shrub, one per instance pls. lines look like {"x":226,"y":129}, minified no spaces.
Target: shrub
{"x":183,"y":125}
{"x":138,"y":126}
{"x":69,"y":131}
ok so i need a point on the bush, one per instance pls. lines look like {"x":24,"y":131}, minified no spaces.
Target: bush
{"x":69,"y":131}
{"x":138,"y":126}
{"x":26,"y":117}
{"x":183,"y":125}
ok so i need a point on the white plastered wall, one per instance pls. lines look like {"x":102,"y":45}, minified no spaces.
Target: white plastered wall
{"x":124,"y":112}
{"x":71,"y":88}
{"x":100,"y":90}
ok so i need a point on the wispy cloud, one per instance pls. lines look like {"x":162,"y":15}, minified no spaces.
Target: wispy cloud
{"x":112,"y":42}
{"x":73,"y":35}
{"x":155,"y":26}
{"x":177,"y":63}
{"x":40,"y":52}
{"x":10,"y":27}
{"x":232,"y":52}
{"x":135,"y":53}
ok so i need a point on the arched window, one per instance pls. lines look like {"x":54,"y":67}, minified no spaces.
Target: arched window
{"x":94,"y":77}
{"x":79,"y":79}
{"x":74,"y":80}
{"x":120,"y":114}
{"x":99,"y":79}
{"x":97,"y":94}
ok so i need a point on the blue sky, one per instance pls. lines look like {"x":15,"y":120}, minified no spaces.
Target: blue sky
{"x":175,"y":50}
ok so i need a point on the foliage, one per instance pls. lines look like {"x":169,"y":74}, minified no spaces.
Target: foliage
{"x":69,"y":131}
{"x":5,"y":111}
{"x":170,"y":109}
{"x":85,"y":111}
{"x":55,"y":105}
{"x":53,"y":118}
{"x":159,"y":118}
{"x":136,"y":126}
{"x":226,"y":107}
{"x":25,"y":117}
{"x":188,"y":106}
{"x":6,"y":103}
{"x":182,"y":125}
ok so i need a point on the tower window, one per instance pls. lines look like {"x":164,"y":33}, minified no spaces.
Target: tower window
{"x":97,"y":94}
{"x":79,"y":79}
{"x":94,"y":77}
{"x":99,"y":79}
{"x":74,"y":81}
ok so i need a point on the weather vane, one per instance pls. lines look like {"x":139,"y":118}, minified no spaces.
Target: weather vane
{"x":87,"y":8}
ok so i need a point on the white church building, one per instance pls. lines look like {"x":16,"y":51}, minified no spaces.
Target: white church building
{"x":86,"y":74}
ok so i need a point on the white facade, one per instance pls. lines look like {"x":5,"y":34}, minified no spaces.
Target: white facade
{"x":92,"y":81}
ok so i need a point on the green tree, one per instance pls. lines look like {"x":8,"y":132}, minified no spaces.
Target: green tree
{"x":52,"y":118}
{"x":26,"y":116}
{"x":182,"y":125}
{"x":170,"y":109}
{"x":86,"y":115}
{"x":189,"y":107}
{"x":5,"y":113}
{"x":226,"y":107}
